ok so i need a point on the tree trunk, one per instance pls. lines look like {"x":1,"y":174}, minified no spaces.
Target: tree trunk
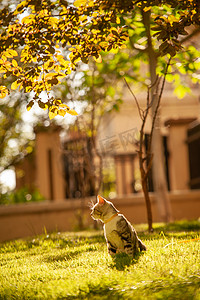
{"x":159,"y":177}
{"x":144,"y":176}
{"x":148,"y":205}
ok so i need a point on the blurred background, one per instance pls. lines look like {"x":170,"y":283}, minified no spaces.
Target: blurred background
{"x":77,"y":157}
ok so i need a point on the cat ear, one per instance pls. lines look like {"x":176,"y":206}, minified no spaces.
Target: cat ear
{"x":100,"y":200}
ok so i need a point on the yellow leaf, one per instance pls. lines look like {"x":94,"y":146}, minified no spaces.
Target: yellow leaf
{"x":12,"y":52}
{"x":7,"y":54}
{"x":49,"y":75}
{"x":52,"y":114}
{"x":3,"y":91}
{"x":123,"y":46}
{"x":20,"y":7}
{"x":4,"y":58}
{"x":62,"y":112}
{"x":29,"y":105}
{"x":99,"y":59}
{"x":14,"y":63}
{"x":57,"y":68}
{"x":84,"y":18}
{"x":77,"y":60}
{"x":15,"y":85}
{"x":57,"y":102}
{"x":72,"y":49}
{"x":103,"y":44}
{"x":61,"y":105}
{"x":72,"y":112}
{"x":60,"y":76}
{"x":147,"y":8}
{"x":28,"y":19}
{"x":118,"y":20}
{"x":172,"y":19}
{"x":78,"y":3}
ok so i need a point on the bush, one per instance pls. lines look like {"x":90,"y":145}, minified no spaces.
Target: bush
{"x":22,"y":195}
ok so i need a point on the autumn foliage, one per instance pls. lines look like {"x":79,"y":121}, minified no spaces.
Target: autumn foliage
{"x":41,"y":41}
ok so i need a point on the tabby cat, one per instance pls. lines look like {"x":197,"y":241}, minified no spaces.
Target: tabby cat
{"x":119,"y":233}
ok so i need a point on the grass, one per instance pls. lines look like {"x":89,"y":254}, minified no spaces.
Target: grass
{"x":77,"y":266}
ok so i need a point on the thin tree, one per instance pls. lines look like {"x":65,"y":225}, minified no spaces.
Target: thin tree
{"x":146,"y":157}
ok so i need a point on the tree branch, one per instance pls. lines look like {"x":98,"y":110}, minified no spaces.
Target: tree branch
{"x":158,"y":104}
{"x":189,"y":36}
{"x":136,"y":101}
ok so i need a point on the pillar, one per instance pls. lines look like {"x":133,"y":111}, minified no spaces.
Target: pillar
{"x":49,"y":166}
{"x":178,"y":153}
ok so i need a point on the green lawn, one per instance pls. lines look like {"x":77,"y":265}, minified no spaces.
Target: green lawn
{"x":77,"y":266}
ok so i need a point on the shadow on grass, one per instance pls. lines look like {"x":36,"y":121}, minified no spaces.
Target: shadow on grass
{"x":62,"y":257}
{"x":121,"y":261}
{"x":179,"y":226}
{"x":181,"y":229}
{"x":70,"y":255}
{"x":97,"y":293}
{"x":74,"y":241}
{"x":184,"y":289}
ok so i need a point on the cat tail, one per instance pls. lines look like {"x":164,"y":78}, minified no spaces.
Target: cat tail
{"x":141,"y":245}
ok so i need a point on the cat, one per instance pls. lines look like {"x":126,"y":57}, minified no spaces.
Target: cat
{"x":120,"y":235}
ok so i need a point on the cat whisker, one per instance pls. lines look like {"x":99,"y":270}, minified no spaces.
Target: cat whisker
{"x":90,"y":204}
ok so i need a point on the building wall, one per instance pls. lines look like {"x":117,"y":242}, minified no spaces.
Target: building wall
{"x":117,"y":137}
{"x":118,"y":134}
{"x":26,"y":220}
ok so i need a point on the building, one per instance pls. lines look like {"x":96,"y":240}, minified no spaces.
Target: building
{"x":58,"y":169}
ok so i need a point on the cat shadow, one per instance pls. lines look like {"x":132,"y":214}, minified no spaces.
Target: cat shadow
{"x":122,"y":260}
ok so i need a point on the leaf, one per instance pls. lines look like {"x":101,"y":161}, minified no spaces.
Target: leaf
{"x":114,"y":32}
{"x":110,"y":91}
{"x":116,"y":107}
{"x":62,"y":112}
{"x":103,"y":44}
{"x":49,"y":76}
{"x":79,"y":3}
{"x":42,"y":105}
{"x":84,"y":59}
{"x":3,"y":91}
{"x":172,"y":19}
{"x":58,"y":102}
{"x":72,"y":112}
{"x":14,"y":63}
{"x":20,"y":6}
{"x":181,"y":90}
{"x":53,"y":114}
{"x":53,"y":81}
{"x":99,"y":59}
{"x":15,"y":85}
{"x":109,"y":47}
{"x":123,"y":46}
{"x":30,"y":105}
{"x":118,"y":20}
{"x":147,"y":8}
{"x":12,"y":52}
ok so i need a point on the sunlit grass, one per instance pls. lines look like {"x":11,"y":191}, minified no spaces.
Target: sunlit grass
{"x":77,"y":266}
